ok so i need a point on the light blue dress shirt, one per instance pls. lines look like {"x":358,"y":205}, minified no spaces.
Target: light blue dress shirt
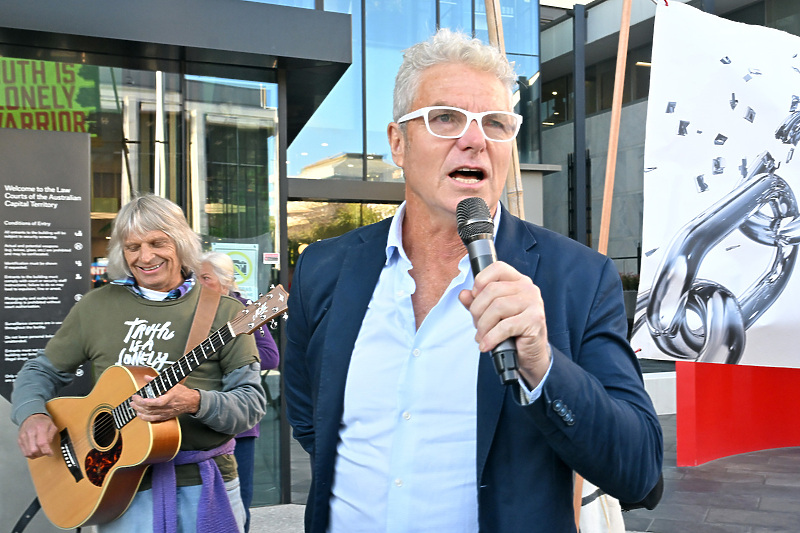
{"x":406,"y":455}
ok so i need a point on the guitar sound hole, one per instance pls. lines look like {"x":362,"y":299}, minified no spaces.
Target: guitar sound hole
{"x":104,"y":430}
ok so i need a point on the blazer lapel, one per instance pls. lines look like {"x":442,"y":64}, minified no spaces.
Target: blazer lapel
{"x":360,"y":268}
{"x":514,"y":243}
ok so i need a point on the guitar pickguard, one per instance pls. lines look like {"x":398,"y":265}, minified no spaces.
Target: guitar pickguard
{"x":99,"y":463}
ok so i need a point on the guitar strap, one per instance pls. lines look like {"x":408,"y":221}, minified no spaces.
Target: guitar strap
{"x":29,"y":513}
{"x":203,"y":318}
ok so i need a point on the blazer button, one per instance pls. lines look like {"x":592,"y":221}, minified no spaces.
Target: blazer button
{"x":558,"y":406}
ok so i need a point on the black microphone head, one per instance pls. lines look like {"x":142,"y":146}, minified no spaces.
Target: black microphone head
{"x":474,"y":220}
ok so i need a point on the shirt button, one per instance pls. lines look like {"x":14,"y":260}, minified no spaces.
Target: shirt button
{"x":398,"y":482}
{"x":407,"y":415}
{"x":416,"y":352}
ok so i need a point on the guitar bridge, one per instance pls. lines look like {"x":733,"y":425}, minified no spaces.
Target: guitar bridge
{"x":68,"y":453}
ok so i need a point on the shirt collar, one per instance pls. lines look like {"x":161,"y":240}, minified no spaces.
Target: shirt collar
{"x":395,"y":240}
{"x":174,"y":294}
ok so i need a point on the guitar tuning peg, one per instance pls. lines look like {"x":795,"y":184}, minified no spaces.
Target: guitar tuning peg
{"x":285,"y":317}
{"x":249,"y":302}
{"x":261,"y":330}
{"x":272,"y":286}
{"x":273,"y":325}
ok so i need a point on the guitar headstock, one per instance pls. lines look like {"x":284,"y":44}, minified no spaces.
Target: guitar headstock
{"x":256,"y":314}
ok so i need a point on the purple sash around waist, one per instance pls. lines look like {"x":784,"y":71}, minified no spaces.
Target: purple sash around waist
{"x":214,"y":513}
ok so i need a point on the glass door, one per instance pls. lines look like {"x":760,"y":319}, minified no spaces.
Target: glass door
{"x":232,"y":129}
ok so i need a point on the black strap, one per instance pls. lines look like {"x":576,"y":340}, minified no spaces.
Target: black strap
{"x":586,"y":500}
{"x":26,"y":517}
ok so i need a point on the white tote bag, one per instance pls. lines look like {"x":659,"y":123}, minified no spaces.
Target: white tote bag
{"x":600,"y":513}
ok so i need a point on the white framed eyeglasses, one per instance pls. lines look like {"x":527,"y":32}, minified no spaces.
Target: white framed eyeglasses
{"x":451,"y":122}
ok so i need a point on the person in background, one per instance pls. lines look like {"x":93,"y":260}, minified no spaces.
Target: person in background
{"x":217,"y":273}
{"x":388,"y":383}
{"x":143,"y":317}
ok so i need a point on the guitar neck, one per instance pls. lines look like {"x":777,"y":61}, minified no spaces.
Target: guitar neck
{"x":252,"y":317}
{"x":184,"y":366}
{"x":175,"y":373}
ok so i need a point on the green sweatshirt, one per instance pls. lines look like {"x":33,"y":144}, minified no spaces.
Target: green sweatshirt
{"x":112,"y":326}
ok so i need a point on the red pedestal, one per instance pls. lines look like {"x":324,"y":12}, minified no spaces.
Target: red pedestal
{"x":726,"y":410}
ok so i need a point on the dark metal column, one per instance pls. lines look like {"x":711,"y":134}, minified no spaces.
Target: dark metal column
{"x":284,"y":438}
{"x":579,"y":209}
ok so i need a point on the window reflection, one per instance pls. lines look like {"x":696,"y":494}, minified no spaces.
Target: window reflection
{"x":520,"y":21}
{"x":357,"y":111}
{"x":335,"y":128}
{"x":411,"y":22}
{"x":309,"y":222}
{"x":308,"y":4}
{"x":457,"y":14}
{"x":233,"y":171}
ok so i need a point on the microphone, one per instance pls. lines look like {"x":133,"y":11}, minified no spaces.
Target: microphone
{"x":476,"y":229}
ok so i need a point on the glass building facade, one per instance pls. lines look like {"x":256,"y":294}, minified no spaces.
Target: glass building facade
{"x":354,"y":116}
{"x":264,"y":151}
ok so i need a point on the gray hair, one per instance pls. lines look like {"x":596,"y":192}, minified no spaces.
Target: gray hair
{"x":148,"y":213}
{"x":222,"y":265}
{"x":446,"y":46}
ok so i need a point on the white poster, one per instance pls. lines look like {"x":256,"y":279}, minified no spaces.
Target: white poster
{"x":719,"y":281}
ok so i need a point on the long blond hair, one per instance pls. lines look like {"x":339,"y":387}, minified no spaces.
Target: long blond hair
{"x":148,"y":213}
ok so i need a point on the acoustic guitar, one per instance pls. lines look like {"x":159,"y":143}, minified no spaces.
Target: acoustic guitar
{"x":103,"y":448}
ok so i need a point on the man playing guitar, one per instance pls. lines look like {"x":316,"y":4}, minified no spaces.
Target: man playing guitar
{"x":143,"y":319}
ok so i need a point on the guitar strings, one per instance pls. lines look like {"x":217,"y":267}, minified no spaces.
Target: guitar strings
{"x":225,"y":334}
{"x":108,"y":425}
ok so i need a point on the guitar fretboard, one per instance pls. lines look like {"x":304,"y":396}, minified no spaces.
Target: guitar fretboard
{"x":175,"y":373}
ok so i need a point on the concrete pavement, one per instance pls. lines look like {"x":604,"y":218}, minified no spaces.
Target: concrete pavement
{"x":286,"y":518}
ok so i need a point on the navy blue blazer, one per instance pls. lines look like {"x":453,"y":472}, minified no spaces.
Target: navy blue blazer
{"x":593,"y":416}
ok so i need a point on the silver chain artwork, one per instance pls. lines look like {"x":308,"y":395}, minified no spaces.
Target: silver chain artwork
{"x":697,"y":319}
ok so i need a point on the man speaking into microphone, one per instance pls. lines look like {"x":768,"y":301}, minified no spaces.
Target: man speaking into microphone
{"x":391,"y":385}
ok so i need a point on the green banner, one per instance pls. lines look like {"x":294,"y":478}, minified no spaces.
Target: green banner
{"x":45,"y":95}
